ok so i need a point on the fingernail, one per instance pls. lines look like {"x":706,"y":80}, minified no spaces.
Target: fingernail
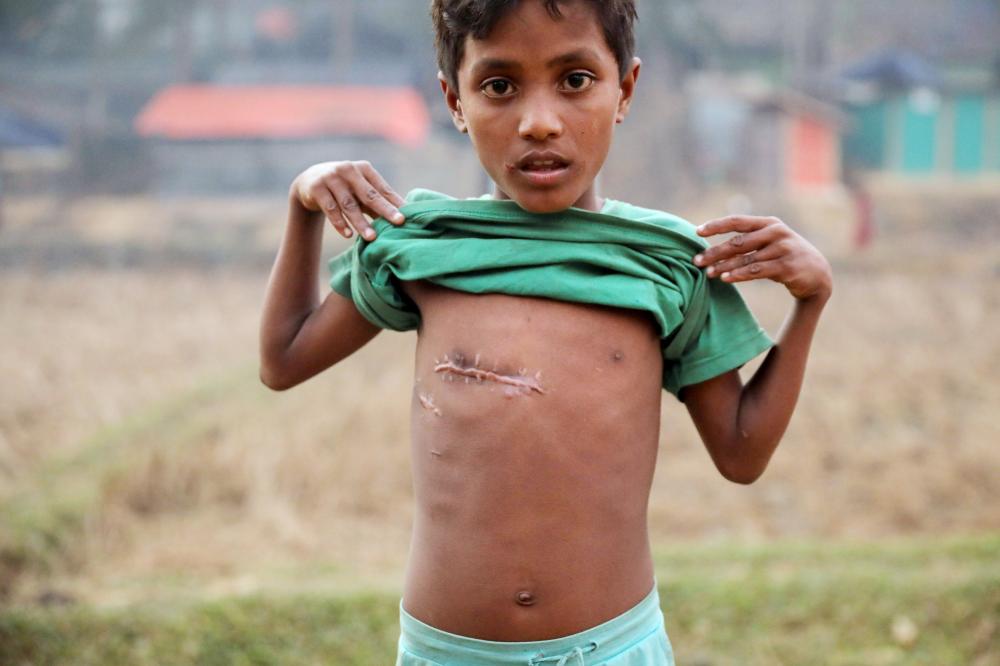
{"x":698,"y":259}
{"x":369,"y":234}
{"x":711,"y":270}
{"x":398,"y":217}
{"x":725,"y":276}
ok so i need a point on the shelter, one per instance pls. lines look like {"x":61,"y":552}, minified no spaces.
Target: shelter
{"x":792,"y":142}
{"x":32,"y":153}
{"x":913,"y":119}
{"x":214,"y":138}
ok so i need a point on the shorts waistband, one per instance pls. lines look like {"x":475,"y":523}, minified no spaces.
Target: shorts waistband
{"x":595,"y":644}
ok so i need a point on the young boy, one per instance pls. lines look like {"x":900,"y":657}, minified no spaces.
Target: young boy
{"x":549,"y":319}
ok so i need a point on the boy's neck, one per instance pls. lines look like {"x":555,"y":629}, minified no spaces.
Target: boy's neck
{"x":589,"y":201}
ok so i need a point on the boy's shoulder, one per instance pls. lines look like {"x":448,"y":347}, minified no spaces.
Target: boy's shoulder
{"x":660,"y":218}
{"x":420,"y":194}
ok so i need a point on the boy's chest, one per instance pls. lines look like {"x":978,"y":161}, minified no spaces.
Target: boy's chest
{"x":527,"y":412}
{"x":509,"y":355}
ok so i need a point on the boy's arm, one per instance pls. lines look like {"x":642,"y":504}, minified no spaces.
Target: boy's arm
{"x":742,"y":425}
{"x":299,"y":336}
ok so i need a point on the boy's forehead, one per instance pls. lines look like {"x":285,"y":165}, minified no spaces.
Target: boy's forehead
{"x":528,"y":36}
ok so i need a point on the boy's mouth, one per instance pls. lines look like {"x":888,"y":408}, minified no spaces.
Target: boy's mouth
{"x":542,"y":168}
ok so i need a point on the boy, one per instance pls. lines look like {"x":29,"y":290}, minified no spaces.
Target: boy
{"x":548,"y":321}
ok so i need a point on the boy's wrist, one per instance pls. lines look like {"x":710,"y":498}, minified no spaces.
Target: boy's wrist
{"x":817,"y":299}
{"x":297,"y":211}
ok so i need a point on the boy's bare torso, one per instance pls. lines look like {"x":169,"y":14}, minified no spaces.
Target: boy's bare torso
{"x":535,"y":430}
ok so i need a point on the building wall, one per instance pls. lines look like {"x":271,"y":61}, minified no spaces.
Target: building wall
{"x":921,"y":134}
{"x":813,"y":153}
{"x":867,"y":143}
{"x":185,"y":168}
{"x":920,"y":141}
{"x":766,"y":140}
{"x":249,"y":166}
{"x":969,"y":114}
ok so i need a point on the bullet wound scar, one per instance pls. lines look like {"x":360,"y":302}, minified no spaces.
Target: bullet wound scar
{"x":521,"y":384}
{"x":427,"y":402}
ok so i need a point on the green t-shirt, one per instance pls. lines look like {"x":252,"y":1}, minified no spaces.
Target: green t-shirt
{"x":623,"y":256}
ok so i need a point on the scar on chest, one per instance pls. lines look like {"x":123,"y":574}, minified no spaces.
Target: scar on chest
{"x":459,"y":369}
{"x":427,"y":402}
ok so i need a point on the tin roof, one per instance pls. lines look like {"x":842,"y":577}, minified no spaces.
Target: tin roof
{"x":19,"y":131}
{"x":214,"y":112}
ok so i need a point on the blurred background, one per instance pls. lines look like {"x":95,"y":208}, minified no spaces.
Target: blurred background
{"x":158,"y":505}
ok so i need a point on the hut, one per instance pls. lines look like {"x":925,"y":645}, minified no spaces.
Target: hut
{"x":748,"y":131}
{"x":32,"y":152}
{"x":213,"y":139}
{"x":914,"y":120}
{"x":791,"y":143}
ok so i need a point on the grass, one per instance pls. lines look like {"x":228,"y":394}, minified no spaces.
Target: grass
{"x":158,"y":506}
{"x":43,"y":519}
{"x":910,"y":601}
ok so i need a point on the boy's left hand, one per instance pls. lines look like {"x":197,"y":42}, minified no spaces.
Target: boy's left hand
{"x":766,"y":247}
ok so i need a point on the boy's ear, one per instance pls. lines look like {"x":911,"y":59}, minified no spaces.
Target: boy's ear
{"x":454,"y":103}
{"x":628,"y":90}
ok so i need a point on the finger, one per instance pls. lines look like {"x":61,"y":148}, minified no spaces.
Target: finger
{"x":374,"y":203}
{"x":328,"y":204}
{"x":741,"y":243}
{"x":740,"y":223}
{"x":351,"y":210}
{"x":766,"y":253}
{"x":755,"y":271}
{"x":375,"y":178}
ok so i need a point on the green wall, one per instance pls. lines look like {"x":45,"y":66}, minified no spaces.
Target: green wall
{"x":961,"y":135}
{"x":919,"y":139}
{"x":866,"y":144}
{"x":969,"y":133}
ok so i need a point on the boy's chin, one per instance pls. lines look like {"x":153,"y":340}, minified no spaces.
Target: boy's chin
{"x":543,"y":202}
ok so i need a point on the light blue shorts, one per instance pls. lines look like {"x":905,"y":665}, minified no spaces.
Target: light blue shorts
{"x":637,"y":637}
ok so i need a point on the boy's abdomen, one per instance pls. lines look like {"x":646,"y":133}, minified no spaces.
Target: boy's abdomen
{"x":534,"y":438}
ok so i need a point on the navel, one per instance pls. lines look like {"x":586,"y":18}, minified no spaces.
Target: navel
{"x":525,"y":598}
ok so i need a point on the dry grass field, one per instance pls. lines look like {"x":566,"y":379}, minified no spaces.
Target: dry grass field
{"x":141,"y":458}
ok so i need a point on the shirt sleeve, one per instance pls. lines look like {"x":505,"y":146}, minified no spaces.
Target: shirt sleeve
{"x":729,"y":337}
{"x":342,"y":265}
{"x":340,"y":271}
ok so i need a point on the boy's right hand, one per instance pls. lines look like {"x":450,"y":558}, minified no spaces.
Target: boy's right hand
{"x":345,"y":192}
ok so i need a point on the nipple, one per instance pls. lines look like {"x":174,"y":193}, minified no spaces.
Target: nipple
{"x":525,"y":598}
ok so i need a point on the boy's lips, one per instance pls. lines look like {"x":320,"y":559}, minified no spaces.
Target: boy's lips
{"x":542,"y":167}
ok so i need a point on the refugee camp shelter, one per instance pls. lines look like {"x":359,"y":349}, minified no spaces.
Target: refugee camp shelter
{"x":910,"y":118}
{"x":748,"y":130}
{"x":791,"y":143}
{"x":215,"y":139}
{"x":32,"y":152}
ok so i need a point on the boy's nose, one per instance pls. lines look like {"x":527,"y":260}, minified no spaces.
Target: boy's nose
{"x":540,"y":122}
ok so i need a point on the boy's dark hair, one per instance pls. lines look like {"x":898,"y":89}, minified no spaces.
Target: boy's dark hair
{"x":454,"y":20}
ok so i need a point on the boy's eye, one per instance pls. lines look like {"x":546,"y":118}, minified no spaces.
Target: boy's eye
{"x":578,"y":81}
{"x":497,"y":88}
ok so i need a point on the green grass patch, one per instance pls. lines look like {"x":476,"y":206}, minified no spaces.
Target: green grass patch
{"x":912,"y":602}
{"x":43,"y":516}
{"x":247,"y":631}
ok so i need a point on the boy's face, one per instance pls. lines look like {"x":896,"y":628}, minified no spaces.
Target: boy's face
{"x":540,"y":97}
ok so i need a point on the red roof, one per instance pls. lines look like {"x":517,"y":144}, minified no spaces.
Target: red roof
{"x":192,"y":112}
